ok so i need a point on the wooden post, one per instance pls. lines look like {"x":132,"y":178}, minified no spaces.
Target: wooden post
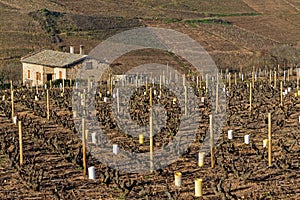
{"x":270,"y":140}
{"x":111,"y":85}
{"x":163,"y":77}
{"x":211,"y":142}
{"x":297,"y":74}
{"x":270,"y":77}
{"x":281,"y":95}
{"x":63,"y":84}
{"x":200,"y":82}
{"x":20,"y":142}
{"x":50,"y":84}
{"x":11,"y":85}
{"x":229,"y":81}
{"x":89,"y":85}
{"x":12,"y":103}
{"x":185,"y":100}
{"x":253,"y":74}
{"x":275,"y":79}
{"x":36,"y":89}
{"x":86,"y":134}
{"x":118,"y":101}
{"x":206,"y":83}
{"x":146,"y":85}
{"x":217,"y":93}
{"x":235,"y":82}
{"x":250,"y":98}
{"x":48,"y":106}
{"x":83,"y":147}
{"x":151,"y":133}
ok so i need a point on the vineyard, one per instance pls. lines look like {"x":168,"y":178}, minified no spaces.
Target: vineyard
{"x":45,"y":158}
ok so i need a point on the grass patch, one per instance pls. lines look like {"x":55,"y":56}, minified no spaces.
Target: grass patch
{"x":210,"y":18}
{"x":193,"y":22}
{"x":207,"y":21}
{"x":170,"y":20}
{"x":231,"y":14}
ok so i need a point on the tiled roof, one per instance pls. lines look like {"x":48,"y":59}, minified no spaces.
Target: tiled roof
{"x":53,"y":58}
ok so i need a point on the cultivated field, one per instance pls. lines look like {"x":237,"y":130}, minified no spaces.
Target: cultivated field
{"x":236,"y":33}
{"x":53,"y":158}
{"x":256,"y":47}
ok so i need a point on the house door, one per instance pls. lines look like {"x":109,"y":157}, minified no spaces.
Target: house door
{"x":49,"y":77}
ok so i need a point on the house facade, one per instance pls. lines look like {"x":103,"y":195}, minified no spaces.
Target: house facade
{"x":47,"y":65}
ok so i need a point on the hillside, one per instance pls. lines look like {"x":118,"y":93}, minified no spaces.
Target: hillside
{"x":155,"y":133}
{"x":255,"y":33}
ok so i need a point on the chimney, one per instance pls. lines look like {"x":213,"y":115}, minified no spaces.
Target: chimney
{"x":81,"y":50}
{"x":71,"y":49}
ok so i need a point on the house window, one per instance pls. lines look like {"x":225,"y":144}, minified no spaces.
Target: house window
{"x":28,"y":74}
{"x":60,"y":74}
{"x":89,"y":65}
{"x":38,"y":76}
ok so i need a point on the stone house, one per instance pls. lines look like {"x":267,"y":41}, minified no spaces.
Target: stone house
{"x":46,"y":65}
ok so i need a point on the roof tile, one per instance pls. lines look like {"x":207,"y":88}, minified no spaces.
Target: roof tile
{"x":53,"y":58}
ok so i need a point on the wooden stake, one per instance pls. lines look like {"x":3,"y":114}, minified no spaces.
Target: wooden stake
{"x":200,"y":82}
{"x":89,"y":85}
{"x":297,"y":74}
{"x":146,"y":85}
{"x":270,"y":77}
{"x":253,"y":74}
{"x":275,"y":79}
{"x":229,"y":81}
{"x":83,"y":147}
{"x":235,"y":82}
{"x":270,"y":140}
{"x":12,"y":105}
{"x":206,"y":82}
{"x":217,"y":93}
{"x":111,"y":86}
{"x":151,"y":133}
{"x":118,"y":101}
{"x":11,"y":86}
{"x":86,"y":134}
{"x":20,"y":142}
{"x":37,"y":89}
{"x":185,"y":100}
{"x":50,"y":84}
{"x":211,"y":142}
{"x":48,"y":106}
{"x":250,"y":98}
{"x":63,"y":84}
{"x":281,"y":95}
